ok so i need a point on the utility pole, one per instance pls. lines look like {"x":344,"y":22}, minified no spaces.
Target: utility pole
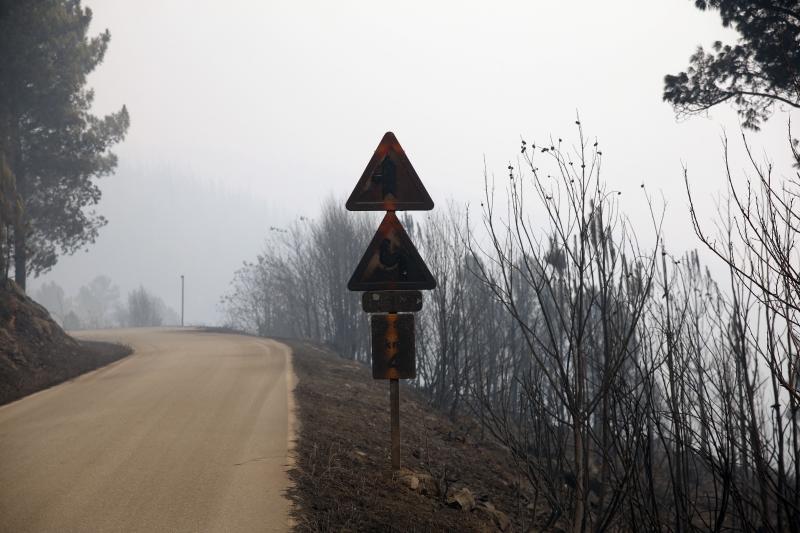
{"x":181,"y":300}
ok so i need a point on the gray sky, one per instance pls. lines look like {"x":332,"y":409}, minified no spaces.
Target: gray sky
{"x":248,"y":114}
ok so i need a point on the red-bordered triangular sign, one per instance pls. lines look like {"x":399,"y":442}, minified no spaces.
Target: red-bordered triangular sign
{"x":391,"y":262}
{"x":389,"y":183}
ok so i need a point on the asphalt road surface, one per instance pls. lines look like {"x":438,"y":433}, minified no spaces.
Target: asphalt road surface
{"x":190,"y":433}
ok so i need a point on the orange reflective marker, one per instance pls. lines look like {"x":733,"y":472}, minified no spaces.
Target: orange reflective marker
{"x":389,"y":183}
{"x":391,"y":262}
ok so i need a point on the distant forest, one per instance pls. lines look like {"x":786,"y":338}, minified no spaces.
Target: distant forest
{"x":97,"y":305}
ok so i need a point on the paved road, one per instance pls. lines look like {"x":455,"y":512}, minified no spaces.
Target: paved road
{"x":190,"y":433}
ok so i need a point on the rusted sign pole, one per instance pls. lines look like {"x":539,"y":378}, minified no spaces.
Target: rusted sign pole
{"x":392,"y":344}
{"x":394,"y":392}
{"x":391,"y":271}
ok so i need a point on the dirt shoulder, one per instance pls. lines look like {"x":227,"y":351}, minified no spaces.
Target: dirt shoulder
{"x":452,"y":480}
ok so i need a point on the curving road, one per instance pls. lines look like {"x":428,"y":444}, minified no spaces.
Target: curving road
{"x":190,"y":433}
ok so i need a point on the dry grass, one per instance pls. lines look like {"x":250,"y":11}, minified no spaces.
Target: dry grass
{"x":342,"y":476}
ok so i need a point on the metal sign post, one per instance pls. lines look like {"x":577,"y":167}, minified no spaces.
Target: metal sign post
{"x":391,"y":271}
{"x":394,"y":392}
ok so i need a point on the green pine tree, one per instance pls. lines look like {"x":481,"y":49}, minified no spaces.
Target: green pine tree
{"x":762,"y":70}
{"x":54,"y":146}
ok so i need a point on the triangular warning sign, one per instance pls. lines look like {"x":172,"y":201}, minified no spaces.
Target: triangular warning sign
{"x":391,"y":262}
{"x":389,"y":183}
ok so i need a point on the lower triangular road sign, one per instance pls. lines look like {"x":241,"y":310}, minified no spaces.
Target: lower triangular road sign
{"x":391,"y":262}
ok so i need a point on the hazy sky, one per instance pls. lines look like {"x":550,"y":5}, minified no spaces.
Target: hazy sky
{"x":247,"y":114}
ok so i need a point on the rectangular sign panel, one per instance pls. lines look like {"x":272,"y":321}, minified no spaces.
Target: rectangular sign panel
{"x":391,"y":301}
{"x":393,"y":353}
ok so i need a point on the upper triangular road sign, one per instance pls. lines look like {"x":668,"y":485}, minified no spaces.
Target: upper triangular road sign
{"x":389,"y":183}
{"x":391,"y":262}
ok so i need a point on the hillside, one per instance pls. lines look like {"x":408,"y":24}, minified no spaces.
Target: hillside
{"x":452,"y":479}
{"x":35,"y":353}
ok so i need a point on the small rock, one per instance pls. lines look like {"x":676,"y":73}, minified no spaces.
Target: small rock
{"x":358,"y":455}
{"x":461,"y":499}
{"x":499,"y":518}
{"x":428,"y":485}
{"x":502,"y":521}
{"x":410,"y":478}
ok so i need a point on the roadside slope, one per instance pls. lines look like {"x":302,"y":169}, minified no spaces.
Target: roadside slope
{"x":35,"y":353}
{"x":452,"y":480}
